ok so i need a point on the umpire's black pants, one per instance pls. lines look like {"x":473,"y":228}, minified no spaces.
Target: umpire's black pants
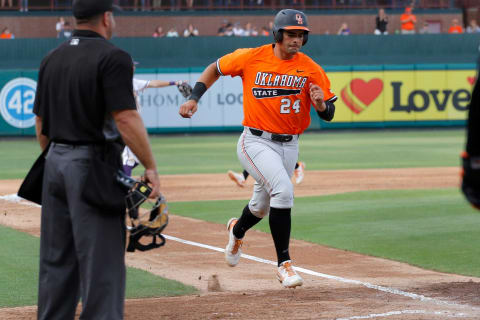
{"x":82,"y":250}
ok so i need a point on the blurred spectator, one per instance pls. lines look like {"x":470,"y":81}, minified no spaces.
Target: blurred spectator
{"x":172,"y":33}
{"x":158,"y":32}
{"x":250,"y":31}
{"x":223,"y":28}
{"x":23,"y":5}
{"x":142,"y":4}
{"x":238,"y":31}
{"x":344,"y":29}
{"x":473,"y":27}
{"x":156,"y":4}
{"x":381,"y":22}
{"x":66,"y":31}
{"x":229,"y":30}
{"x":59,"y":25}
{"x":122,"y":3}
{"x":191,"y":31}
{"x":408,"y":21}
{"x":252,"y":3}
{"x":10,"y":3}
{"x":424,"y":29}
{"x":455,"y":27}
{"x":265,"y":31}
{"x":219,"y":3}
{"x":63,"y":4}
{"x":6,"y":34}
{"x":174,"y":5}
{"x":294,"y":3}
{"x":189,"y":4}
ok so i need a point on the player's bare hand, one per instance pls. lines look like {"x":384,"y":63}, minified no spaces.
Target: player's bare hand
{"x":188,"y":108}
{"x":317,"y":95}
{"x":151,"y":177}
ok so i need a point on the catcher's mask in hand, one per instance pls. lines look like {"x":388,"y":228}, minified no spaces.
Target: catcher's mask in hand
{"x":148,"y":218}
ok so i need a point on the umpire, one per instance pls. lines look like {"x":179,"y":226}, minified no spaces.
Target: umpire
{"x":85,"y":105}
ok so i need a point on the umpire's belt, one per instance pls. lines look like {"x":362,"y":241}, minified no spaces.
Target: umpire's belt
{"x":271,"y":136}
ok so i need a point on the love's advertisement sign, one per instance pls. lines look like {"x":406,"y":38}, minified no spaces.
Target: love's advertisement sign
{"x":414,"y":95}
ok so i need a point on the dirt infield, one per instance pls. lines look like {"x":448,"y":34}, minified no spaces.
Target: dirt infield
{"x":338,"y":284}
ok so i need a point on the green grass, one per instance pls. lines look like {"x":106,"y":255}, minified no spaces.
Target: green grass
{"x":433,"y":229}
{"x":320,"y":150}
{"x":19,"y":258}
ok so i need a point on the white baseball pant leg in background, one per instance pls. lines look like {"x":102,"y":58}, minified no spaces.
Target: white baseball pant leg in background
{"x":129,"y":158}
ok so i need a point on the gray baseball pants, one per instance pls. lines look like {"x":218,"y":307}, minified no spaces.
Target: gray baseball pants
{"x":271,"y":164}
{"x":82,"y":250}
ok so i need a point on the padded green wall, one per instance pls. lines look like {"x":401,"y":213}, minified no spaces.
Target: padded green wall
{"x":329,"y":50}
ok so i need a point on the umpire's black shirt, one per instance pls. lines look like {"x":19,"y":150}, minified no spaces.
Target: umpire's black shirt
{"x":79,"y":84}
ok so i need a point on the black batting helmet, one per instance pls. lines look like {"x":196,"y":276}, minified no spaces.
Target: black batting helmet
{"x":289,"y":19}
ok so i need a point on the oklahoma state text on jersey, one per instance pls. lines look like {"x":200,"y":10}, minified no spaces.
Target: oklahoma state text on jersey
{"x":275,"y":92}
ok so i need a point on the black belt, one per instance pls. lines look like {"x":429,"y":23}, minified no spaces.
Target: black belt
{"x":273,"y":136}
{"x":70,"y":146}
{"x":76,"y":145}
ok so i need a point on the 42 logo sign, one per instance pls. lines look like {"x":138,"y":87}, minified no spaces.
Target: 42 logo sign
{"x":16,"y":102}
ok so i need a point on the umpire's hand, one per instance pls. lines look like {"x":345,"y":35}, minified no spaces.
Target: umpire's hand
{"x":151,"y":177}
{"x":188,"y":108}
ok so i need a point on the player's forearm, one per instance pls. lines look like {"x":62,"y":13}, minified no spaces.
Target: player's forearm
{"x":328,"y":113}
{"x":158,"y":84}
{"x":320,"y":105}
{"x":42,"y":139}
{"x":133,"y":133}
{"x":206,"y":80}
{"x":209,"y":75}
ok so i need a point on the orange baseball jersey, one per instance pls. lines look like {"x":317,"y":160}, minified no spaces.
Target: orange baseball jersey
{"x":408,"y":25}
{"x":276,"y":94}
{"x":455,"y":29}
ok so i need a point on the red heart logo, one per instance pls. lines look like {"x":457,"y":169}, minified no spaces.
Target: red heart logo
{"x":471,"y":80}
{"x":366,"y":92}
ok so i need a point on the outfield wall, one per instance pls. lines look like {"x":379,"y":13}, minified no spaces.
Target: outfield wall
{"x":381,"y":81}
{"x":329,"y":50}
{"x":369,"y":96}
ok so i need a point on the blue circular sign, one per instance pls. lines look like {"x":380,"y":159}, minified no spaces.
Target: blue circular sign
{"x":16,"y":102}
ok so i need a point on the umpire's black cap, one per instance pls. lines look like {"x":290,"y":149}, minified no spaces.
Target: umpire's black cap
{"x":84,"y":9}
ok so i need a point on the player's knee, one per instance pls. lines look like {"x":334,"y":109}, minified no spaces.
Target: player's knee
{"x":282,"y":196}
{"x":259,"y":209}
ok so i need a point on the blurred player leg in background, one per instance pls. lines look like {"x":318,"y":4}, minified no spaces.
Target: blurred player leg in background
{"x":129,"y":161}
{"x":299,"y":172}
{"x":238,"y":178}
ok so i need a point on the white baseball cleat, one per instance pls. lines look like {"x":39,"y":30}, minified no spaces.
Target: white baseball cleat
{"x":237,"y":178}
{"x":287,"y":276}
{"x":299,"y":172}
{"x":232,"y":250}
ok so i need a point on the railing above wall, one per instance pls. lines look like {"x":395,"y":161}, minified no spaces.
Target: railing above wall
{"x":175,"y":5}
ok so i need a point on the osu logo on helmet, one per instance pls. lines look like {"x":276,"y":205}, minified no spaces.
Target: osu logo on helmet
{"x":299,"y":18}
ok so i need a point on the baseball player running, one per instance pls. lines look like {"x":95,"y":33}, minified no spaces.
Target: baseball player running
{"x":279,"y":86}
{"x":241,"y":178}
{"x":129,"y":159}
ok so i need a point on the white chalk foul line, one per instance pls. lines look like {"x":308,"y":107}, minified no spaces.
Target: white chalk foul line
{"x":15,"y":198}
{"x":447,"y":314}
{"x":327,"y":276}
